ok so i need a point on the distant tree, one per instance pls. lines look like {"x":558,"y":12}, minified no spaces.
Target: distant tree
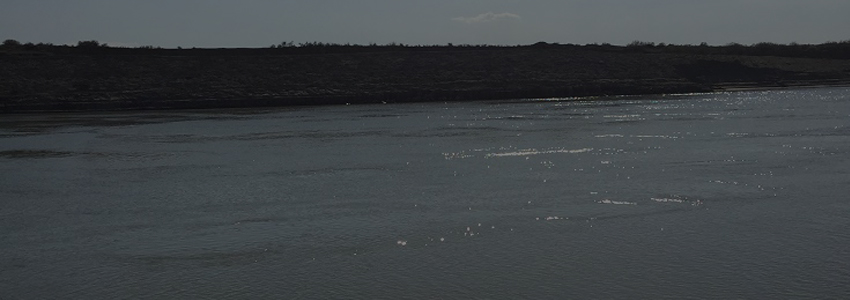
{"x":11,"y":43}
{"x":766,"y":45}
{"x":283,"y":44}
{"x":641,"y":44}
{"x":90,"y":44}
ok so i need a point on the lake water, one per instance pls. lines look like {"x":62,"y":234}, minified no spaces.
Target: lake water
{"x":729,"y":195}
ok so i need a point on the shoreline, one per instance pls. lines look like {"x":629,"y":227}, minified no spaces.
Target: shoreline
{"x":271,"y":103}
{"x":749,"y":88}
{"x":249,"y":103}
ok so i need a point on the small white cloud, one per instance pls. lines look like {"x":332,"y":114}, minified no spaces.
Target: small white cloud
{"x":488,"y":17}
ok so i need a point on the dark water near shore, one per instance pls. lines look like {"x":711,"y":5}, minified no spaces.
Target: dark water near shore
{"x":737,"y":195}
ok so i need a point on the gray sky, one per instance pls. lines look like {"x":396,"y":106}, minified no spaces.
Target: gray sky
{"x":260,"y":23}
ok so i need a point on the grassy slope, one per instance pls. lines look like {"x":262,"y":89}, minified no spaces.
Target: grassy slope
{"x":175,"y":79}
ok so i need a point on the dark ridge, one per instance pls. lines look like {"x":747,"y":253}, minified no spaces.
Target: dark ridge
{"x":93,"y":76}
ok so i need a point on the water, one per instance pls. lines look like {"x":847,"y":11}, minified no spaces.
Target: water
{"x":731,"y":195}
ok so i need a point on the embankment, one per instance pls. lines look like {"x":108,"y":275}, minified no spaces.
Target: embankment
{"x":119,"y":79}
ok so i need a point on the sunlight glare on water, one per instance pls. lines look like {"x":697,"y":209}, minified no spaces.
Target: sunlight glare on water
{"x":727,"y":195}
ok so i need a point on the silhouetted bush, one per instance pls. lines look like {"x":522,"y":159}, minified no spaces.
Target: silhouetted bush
{"x":11,"y":43}
{"x":90,"y":44}
{"x":641,"y":44}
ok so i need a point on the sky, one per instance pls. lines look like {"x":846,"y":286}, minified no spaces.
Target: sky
{"x":261,"y":23}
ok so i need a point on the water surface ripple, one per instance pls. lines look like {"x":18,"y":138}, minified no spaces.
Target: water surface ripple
{"x":728,"y":195}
